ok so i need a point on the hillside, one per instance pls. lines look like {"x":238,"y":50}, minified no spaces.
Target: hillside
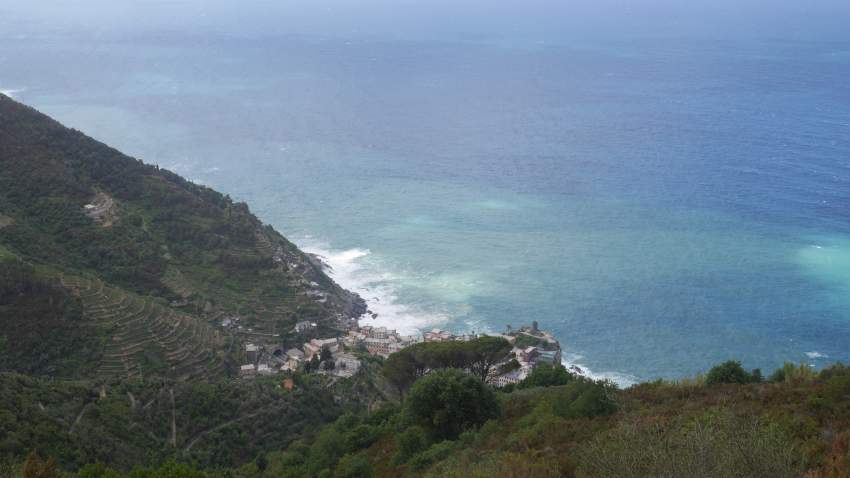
{"x":555,"y":424}
{"x":222,"y":424}
{"x":139,"y":266}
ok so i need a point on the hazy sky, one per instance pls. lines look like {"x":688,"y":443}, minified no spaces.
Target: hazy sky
{"x":544,"y":20}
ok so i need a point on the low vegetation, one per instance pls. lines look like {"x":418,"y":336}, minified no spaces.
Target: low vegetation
{"x":449,"y":423}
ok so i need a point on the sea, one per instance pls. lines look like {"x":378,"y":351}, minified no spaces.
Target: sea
{"x":660,"y":200}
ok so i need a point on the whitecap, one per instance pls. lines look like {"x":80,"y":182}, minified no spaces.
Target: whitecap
{"x":816,"y":355}
{"x":352,"y":270}
{"x":571,"y":362}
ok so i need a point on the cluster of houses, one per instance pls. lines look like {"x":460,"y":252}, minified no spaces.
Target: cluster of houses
{"x":260,"y":362}
{"x":378,"y":340}
{"x":383,"y":342}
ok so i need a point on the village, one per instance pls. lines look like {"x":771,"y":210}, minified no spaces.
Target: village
{"x":339,"y":356}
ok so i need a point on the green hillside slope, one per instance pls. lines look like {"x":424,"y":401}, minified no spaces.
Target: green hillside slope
{"x":146,"y":263}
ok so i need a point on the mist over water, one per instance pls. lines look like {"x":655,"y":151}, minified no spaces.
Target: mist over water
{"x":662,"y":188}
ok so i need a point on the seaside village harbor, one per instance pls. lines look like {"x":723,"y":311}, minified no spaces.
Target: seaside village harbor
{"x":338,"y":356}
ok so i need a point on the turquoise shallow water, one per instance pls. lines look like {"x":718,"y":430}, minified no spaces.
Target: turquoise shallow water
{"x":660,"y":206}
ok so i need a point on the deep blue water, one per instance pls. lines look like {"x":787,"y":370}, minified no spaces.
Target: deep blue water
{"x":660,"y":205}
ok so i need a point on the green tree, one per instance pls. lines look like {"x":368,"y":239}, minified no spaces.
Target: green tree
{"x":401,"y":371}
{"x":484,"y":353}
{"x":478,"y":355}
{"x":449,"y":401}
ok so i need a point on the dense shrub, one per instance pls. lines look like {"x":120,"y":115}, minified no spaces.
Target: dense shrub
{"x":353,"y":466}
{"x":437,"y":452}
{"x":545,"y":375}
{"x":585,"y":399}
{"x":731,"y":372}
{"x":410,"y":442}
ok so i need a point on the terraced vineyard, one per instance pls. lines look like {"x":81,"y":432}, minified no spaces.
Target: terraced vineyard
{"x":144,"y":338}
{"x":264,"y":245}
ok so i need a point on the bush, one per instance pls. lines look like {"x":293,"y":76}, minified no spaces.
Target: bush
{"x":354,"y":466}
{"x":410,"y":442}
{"x":362,"y":436}
{"x":449,"y":401}
{"x":793,"y":373}
{"x":545,"y":375}
{"x":326,"y":450}
{"x":585,"y":399}
{"x":432,"y":455}
{"x":731,"y":372}
{"x":836,"y":390}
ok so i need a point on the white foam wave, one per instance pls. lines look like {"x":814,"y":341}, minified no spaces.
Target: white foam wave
{"x":572,"y":363}
{"x":352,"y":270}
{"x":816,"y":355}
